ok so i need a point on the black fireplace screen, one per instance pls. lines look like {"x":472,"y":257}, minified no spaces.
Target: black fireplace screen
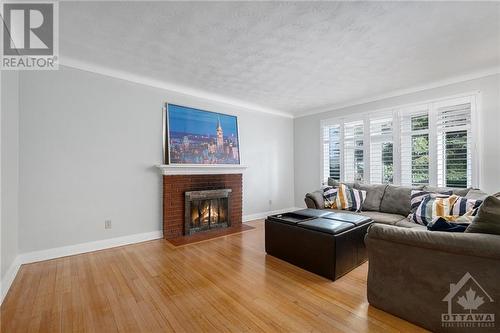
{"x":205,"y":210}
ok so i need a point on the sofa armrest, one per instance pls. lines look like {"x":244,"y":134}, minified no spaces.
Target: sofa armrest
{"x":411,"y":272}
{"x":315,"y":200}
{"x":480,"y":245}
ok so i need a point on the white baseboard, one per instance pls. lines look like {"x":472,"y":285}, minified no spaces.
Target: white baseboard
{"x":29,"y":257}
{"x":88,"y":247}
{"x":9,"y":277}
{"x":262,"y":215}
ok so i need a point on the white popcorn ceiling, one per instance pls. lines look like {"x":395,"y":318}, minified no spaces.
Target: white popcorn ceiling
{"x":291,"y":57}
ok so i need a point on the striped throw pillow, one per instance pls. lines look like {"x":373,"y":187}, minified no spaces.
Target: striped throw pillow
{"x":330,"y":195}
{"x":463,"y":205}
{"x":344,"y":198}
{"x":432,"y":207}
{"x":464,"y":210}
{"x":418,"y":195}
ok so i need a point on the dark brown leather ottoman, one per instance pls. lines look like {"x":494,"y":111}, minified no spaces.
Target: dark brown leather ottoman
{"x":326,"y":243}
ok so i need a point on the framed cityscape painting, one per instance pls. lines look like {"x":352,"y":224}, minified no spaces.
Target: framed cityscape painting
{"x":194,"y":136}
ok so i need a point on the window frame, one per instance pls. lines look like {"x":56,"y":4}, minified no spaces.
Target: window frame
{"x":397,"y":111}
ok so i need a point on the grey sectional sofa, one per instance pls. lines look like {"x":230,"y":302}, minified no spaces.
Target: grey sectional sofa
{"x":389,"y":204}
{"x":420,"y":275}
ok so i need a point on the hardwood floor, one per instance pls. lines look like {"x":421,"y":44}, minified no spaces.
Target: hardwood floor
{"x":227,"y":284}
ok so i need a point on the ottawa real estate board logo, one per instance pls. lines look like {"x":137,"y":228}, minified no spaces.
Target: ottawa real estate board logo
{"x":30,"y":35}
{"x":469,"y":305}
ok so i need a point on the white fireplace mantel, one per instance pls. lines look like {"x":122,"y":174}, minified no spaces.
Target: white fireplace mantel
{"x":191,"y":169}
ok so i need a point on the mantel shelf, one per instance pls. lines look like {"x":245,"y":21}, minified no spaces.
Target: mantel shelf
{"x":167,"y":169}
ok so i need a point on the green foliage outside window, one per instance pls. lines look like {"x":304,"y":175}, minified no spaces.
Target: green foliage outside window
{"x":420,"y":151}
{"x":456,"y":158}
{"x":387,"y":163}
{"x":420,"y":122}
{"x":359,"y":165}
{"x":420,"y":159}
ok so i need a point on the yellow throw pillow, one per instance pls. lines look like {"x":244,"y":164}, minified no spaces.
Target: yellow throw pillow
{"x":432,"y":207}
{"x":344,"y":198}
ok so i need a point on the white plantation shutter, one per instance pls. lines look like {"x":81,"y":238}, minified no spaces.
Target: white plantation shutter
{"x":353,"y":151}
{"x":381,"y":149}
{"x":331,"y":138}
{"x":427,"y":144}
{"x":453,"y":128}
{"x":414,"y":126}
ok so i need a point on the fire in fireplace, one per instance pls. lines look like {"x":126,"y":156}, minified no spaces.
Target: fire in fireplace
{"x":207,"y":209}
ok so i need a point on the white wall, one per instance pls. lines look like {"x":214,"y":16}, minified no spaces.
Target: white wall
{"x":307,"y":132}
{"x":9,"y":170}
{"x":88,"y":144}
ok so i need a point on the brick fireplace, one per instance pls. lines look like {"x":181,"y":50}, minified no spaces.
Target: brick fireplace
{"x":175,"y":187}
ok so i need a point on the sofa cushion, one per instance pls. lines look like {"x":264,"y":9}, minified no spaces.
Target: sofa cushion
{"x":374,"y":194}
{"x":487,"y":220}
{"x":476,"y":194}
{"x":378,"y":217}
{"x":396,"y":199}
{"x":385,"y":218}
{"x":458,"y":191}
{"x":407,"y":224}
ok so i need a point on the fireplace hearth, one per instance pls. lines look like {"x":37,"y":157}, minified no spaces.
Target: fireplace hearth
{"x":207,"y":210}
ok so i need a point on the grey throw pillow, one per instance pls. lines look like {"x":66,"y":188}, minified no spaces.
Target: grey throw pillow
{"x":476,"y":194}
{"x":332,"y":182}
{"x":374,"y":194}
{"x":396,"y":199}
{"x":487,"y":220}
{"x":335,"y":183}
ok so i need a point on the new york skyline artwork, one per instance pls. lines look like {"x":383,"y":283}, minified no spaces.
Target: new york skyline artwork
{"x":201,"y":137}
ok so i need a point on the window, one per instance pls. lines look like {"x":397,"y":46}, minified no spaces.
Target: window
{"x":331,"y":151}
{"x":454,"y":143}
{"x":415,"y":147}
{"x":353,"y":151}
{"x":381,"y":150}
{"x":426,"y":144}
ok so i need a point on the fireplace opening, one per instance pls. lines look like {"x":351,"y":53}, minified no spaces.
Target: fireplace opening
{"x":207,"y":209}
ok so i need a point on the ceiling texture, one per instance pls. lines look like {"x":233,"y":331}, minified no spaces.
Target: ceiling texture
{"x":291,"y":57}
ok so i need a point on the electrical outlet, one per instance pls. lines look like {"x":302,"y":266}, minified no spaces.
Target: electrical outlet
{"x":107,"y":224}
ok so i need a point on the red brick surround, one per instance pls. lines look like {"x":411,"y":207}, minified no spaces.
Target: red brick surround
{"x":173,"y":198}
